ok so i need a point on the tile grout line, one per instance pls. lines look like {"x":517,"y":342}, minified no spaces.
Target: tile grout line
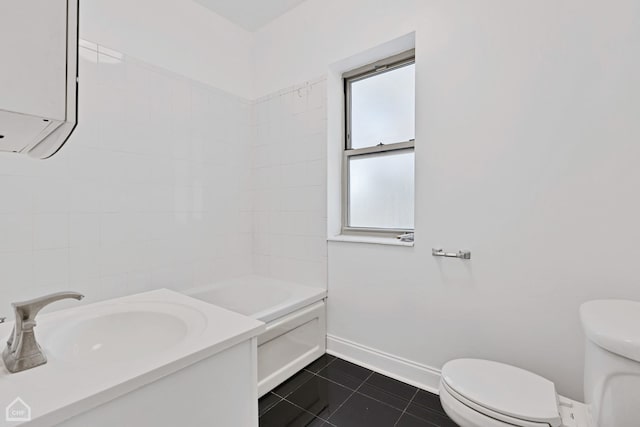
{"x":320,"y":376}
{"x":337,"y":383}
{"x":378,"y":400}
{"x":285,"y":397}
{"x":272,"y":406}
{"x":427,"y":408}
{"x":352,"y":393}
{"x":324,"y":367}
{"x":316,"y":375}
{"x":295,"y":389}
{"x":357,"y":388}
{"x":363,"y":394}
{"x":406,"y":407}
{"x":387,"y":403}
{"x":310,"y":413}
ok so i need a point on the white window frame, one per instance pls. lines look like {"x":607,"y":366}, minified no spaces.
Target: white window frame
{"x":383,"y":66}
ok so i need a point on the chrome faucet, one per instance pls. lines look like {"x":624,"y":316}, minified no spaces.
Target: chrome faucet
{"x":22,"y":351}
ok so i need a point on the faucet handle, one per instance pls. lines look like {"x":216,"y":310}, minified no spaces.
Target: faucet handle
{"x":22,"y":351}
{"x":3,"y":319}
{"x":29,"y":309}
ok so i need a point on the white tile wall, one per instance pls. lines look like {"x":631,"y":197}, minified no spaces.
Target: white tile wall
{"x":152,"y":190}
{"x":289,"y":184}
{"x":167,"y":182}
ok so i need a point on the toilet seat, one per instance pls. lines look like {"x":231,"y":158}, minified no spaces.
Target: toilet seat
{"x":474,"y":415}
{"x":502,"y":392}
{"x":466,"y":416}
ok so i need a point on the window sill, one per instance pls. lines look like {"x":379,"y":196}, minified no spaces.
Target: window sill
{"x":390,"y":241}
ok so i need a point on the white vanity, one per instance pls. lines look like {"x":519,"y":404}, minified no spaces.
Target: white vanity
{"x":153,"y":359}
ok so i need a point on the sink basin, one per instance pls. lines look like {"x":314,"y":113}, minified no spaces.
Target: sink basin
{"x":103,"y":353}
{"x":122,"y":332}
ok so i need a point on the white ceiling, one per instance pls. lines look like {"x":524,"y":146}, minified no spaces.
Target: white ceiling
{"x":250,"y":14}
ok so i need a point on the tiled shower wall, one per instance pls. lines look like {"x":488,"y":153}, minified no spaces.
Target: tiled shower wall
{"x":289,"y":184}
{"x":152,"y":190}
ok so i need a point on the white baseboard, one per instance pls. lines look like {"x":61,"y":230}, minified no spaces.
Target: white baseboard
{"x":407,"y":371}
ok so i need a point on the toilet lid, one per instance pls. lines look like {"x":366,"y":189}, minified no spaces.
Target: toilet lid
{"x":613,"y":325}
{"x":504,"y":389}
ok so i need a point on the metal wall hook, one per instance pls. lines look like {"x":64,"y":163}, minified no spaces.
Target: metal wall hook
{"x":459,"y":254}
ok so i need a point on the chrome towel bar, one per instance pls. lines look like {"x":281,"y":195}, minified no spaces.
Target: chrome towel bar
{"x":459,"y":254}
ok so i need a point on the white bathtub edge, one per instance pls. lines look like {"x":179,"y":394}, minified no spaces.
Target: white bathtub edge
{"x":303,"y":296}
{"x":282,"y":310}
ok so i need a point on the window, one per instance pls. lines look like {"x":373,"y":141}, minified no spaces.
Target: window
{"x":378,"y":182}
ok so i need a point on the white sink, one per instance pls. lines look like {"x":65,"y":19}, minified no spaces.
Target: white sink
{"x":121,"y":332}
{"x":98,"y":352}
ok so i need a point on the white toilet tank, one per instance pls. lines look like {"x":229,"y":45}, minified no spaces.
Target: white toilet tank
{"x":612,"y":362}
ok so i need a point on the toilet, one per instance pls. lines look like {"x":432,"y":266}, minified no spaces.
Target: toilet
{"x":483,"y":393}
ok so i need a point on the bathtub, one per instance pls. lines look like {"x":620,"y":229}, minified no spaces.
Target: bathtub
{"x":295,"y":317}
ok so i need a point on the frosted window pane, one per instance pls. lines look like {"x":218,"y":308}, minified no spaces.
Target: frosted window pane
{"x":383,"y":108}
{"x":381,"y":190}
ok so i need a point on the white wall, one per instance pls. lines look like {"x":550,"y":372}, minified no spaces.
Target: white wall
{"x":177,"y":35}
{"x":526,"y":153}
{"x":151,"y":190}
{"x":289,"y":184}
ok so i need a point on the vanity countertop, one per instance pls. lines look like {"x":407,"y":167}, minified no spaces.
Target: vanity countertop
{"x":147,"y":336}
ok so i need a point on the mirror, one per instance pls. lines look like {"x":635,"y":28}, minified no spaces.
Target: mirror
{"x":38,"y":76}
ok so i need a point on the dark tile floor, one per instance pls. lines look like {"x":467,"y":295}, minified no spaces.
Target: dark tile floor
{"x":333,"y":392}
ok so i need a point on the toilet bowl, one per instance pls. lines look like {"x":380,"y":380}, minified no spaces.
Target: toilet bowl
{"x":484,"y":393}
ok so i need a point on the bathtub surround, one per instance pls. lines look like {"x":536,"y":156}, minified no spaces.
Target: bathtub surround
{"x":289,"y":184}
{"x":526,"y":154}
{"x":151,"y":191}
